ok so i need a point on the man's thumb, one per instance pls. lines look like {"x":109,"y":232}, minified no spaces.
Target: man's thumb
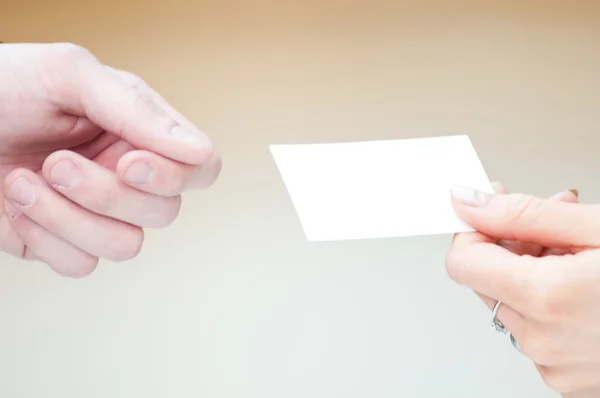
{"x":530,"y":219}
{"x":123,"y":107}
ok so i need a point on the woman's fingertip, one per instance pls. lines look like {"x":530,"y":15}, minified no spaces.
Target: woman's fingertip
{"x":569,"y":196}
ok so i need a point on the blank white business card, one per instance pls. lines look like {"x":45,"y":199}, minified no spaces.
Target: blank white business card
{"x":379,"y":189}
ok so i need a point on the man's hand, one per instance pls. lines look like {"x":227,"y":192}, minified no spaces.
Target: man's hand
{"x":89,"y":156}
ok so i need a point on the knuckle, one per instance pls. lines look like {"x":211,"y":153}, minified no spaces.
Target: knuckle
{"x":145,"y":102}
{"x":524,"y":208}
{"x":69,"y":52}
{"x":136,"y":82}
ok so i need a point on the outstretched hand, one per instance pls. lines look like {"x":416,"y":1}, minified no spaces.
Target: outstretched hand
{"x":89,"y":155}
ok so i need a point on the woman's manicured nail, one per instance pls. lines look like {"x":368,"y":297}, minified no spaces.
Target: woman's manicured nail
{"x":470,"y":197}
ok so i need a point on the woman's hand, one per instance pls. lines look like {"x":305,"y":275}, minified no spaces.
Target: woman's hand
{"x":89,"y":156}
{"x":549,"y":286}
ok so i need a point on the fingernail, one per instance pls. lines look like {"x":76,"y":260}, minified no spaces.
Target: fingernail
{"x":188,"y":137}
{"x":64,"y":174}
{"x":22,"y":192}
{"x":139,"y":173}
{"x":575,"y":192}
{"x":12,"y":211}
{"x":470,"y":197}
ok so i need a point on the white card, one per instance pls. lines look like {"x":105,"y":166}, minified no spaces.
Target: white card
{"x":379,"y":189}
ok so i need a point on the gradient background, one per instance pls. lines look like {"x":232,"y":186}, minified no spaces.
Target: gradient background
{"x":231,"y":301}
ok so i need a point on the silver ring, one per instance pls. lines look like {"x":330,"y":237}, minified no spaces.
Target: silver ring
{"x":496,"y":323}
{"x":499,"y":326}
{"x":515,"y":343}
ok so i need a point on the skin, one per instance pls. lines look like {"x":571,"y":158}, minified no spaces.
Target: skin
{"x":89,"y":157}
{"x":540,"y":258}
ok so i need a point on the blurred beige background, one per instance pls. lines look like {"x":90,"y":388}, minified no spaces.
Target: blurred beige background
{"x":231,"y":301}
